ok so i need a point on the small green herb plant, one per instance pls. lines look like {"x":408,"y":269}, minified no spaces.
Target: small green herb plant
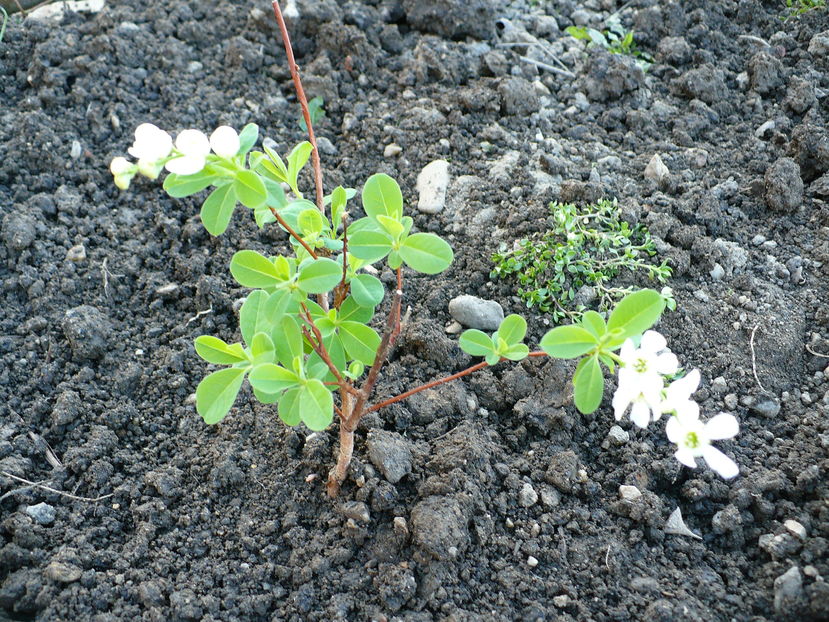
{"x":309,"y":340}
{"x":587,"y":246}
{"x":795,"y":8}
{"x":615,"y":39}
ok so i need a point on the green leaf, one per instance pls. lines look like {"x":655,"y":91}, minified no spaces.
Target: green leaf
{"x":351,"y":311}
{"x":250,"y":189}
{"x":391,"y":226}
{"x":178,"y":186}
{"x":512,"y":329}
{"x":266,"y":398}
{"x":319,"y":276}
{"x":426,"y":253}
{"x":338,"y":201}
{"x":272,"y":379}
{"x":316,"y":405}
{"x":289,"y":407}
{"x":594,"y":323}
{"x":315,"y":111}
{"x":394,"y":260}
{"x":214,"y":350}
{"x":476,"y":342}
{"x":516,"y":352}
{"x":250,"y":269}
{"x":217,"y":209}
{"x":276,"y":166}
{"x":588,"y":385}
{"x":492,"y":358}
{"x":262,"y":349}
{"x":276,"y":195}
{"x":247,"y":138}
{"x":370,"y":246}
{"x":381,"y":195}
{"x":278,"y":304}
{"x":634,"y":314}
{"x":217,"y":392}
{"x":310,"y":222}
{"x":567,"y":342}
{"x":360,"y":341}
{"x":253,"y":316}
{"x":367,"y":290}
{"x":263,"y":216}
{"x":287,"y":339}
{"x":296,"y":160}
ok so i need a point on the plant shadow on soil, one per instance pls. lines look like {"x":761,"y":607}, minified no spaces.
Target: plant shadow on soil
{"x":487,"y":499}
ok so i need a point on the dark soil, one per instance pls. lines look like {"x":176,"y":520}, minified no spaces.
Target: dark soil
{"x":491,"y":474}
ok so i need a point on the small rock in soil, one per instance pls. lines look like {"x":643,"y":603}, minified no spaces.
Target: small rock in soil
{"x":395,"y":585}
{"x":784,"y":187}
{"x":706,"y":83}
{"x":767,"y":408}
{"x":86,"y":328}
{"x":819,"y":45}
{"x":474,"y":312}
{"x":76,"y":254}
{"x":795,"y":529}
{"x":18,"y":231}
{"x":779,"y":546}
{"x":527,"y":496}
{"x":518,"y":97}
{"x":62,"y":572}
{"x":392,"y":150}
{"x":719,"y":386}
{"x":563,"y":470}
{"x":764,"y":72}
{"x":42,"y":513}
{"x":609,"y":76}
{"x":809,"y":147}
{"x":800,"y":95}
{"x":390,"y":453}
{"x":439,"y":526}
{"x":185,"y":605}
{"x":656,"y":169}
{"x":788,"y":588}
{"x":674,"y":51}
{"x":67,"y":407}
{"x":432,"y":183}
{"x":618,"y":436}
{"x":356,"y":510}
{"x":629,"y":493}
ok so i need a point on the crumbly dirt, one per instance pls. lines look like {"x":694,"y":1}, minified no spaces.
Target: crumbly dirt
{"x":507,"y":503}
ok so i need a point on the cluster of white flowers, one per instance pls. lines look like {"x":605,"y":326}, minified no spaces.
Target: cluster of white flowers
{"x":154,"y":149}
{"x":642,"y":387}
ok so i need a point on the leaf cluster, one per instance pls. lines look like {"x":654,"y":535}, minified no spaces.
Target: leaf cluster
{"x":296,"y":351}
{"x":796,"y":8}
{"x":587,"y":245}
{"x":616,"y":39}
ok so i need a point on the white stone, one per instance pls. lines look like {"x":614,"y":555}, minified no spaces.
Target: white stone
{"x":392,"y":150}
{"x":795,"y":529}
{"x":629,"y":493}
{"x":656,"y":169}
{"x":432,"y":184}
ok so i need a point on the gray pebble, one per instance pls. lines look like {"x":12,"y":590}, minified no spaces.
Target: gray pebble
{"x":788,"y":588}
{"x":356,"y":510}
{"x":390,"y":453}
{"x":18,"y":230}
{"x":42,"y":513}
{"x":784,"y":187}
{"x":87,"y":329}
{"x":618,"y":436}
{"x":767,"y":408}
{"x":719,"y":385}
{"x":474,"y":312}
{"x":62,"y":572}
{"x":527,"y":497}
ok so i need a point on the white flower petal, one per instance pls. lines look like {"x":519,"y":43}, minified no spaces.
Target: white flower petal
{"x":151,"y":143}
{"x":640,"y":414}
{"x":666,"y":363}
{"x":193,"y":143}
{"x":224,"y":141}
{"x":719,"y":462}
{"x":185,"y":165}
{"x":683,"y":388}
{"x":119,"y":166}
{"x":686,"y":457}
{"x":628,"y":351}
{"x":722,"y":426}
{"x":687,"y":412}
{"x":620,"y":403}
{"x":673,"y":430}
{"x":653,"y":341}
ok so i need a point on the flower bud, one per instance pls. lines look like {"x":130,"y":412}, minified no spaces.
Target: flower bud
{"x":151,"y":143}
{"x":224,"y":141}
{"x":193,"y":146}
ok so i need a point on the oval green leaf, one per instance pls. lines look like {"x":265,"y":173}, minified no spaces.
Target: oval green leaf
{"x":272,"y":379}
{"x":251,"y":269}
{"x":289,"y":407}
{"x":426,"y":253}
{"x":567,"y":342}
{"x":247,"y":138}
{"x":594,"y":323}
{"x":253,"y":316}
{"x":178,"y":186}
{"x":369,"y":245}
{"x":250,"y":189}
{"x":217,"y":392}
{"x":367,"y":290}
{"x":214,"y":350}
{"x":512,"y":329}
{"x":588,"y":385}
{"x":262,"y":349}
{"x":634,"y":314}
{"x":217,"y":209}
{"x":316,"y":405}
{"x":476,"y":342}
{"x":360,"y":341}
{"x":319,"y":276}
{"x":381,"y":195}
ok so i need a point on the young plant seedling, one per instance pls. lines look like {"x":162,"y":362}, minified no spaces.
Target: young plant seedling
{"x":308,"y":342}
{"x":587,"y":246}
{"x":615,"y":39}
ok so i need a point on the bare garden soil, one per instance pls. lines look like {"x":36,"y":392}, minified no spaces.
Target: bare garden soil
{"x":486,"y":499}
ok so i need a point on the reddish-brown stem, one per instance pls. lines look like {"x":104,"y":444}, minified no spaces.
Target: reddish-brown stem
{"x":347,"y":427}
{"x":438,"y":382}
{"x":319,"y":348}
{"x":293,"y":233}
{"x":303,"y":102}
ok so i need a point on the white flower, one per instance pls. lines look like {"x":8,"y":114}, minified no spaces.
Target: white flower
{"x":224,"y":141}
{"x":679,"y":393}
{"x":693,"y":439}
{"x":193,"y":147}
{"x":640,"y":378}
{"x":122,"y":171}
{"x":151,"y":143}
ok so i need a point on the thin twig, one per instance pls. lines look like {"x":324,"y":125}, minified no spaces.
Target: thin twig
{"x":550,"y":68}
{"x":199,"y":314}
{"x":321,"y":350}
{"x":754,"y":39}
{"x":754,"y":359}
{"x":813,"y":353}
{"x":292,"y":233}
{"x":55,"y":490}
{"x":303,"y":102}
